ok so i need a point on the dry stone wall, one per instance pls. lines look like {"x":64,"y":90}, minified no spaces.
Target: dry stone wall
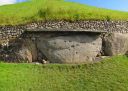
{"x":106,"y":26}
{"x":9,"y":31}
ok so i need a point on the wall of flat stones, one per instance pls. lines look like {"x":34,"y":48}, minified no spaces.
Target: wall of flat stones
{"x":7,"y":32}
{"x":107,"y":26}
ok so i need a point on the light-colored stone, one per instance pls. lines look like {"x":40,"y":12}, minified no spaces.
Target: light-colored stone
{"x":115,"y":44}
{"x":25,"y":54}
{"x":79,"y":48}
{"x":28,"y":51}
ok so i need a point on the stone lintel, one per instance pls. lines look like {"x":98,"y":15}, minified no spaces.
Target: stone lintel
{"x":66,"y":30}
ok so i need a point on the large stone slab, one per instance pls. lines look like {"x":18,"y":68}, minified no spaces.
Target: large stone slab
{"x":79,"y":48}
{"x":27,"y":50}
{"x":115,"y":44}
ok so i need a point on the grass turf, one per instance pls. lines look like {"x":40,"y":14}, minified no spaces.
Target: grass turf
{"x":108,"y":75}
{"x":36,"y":10}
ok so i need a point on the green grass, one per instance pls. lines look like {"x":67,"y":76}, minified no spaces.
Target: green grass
{"x":108,"y":75}
{"x":37,"y":10}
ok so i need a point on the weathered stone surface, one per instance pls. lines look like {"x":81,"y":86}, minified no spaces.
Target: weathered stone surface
{"x":63,"y":47}
{"x":25,"y":55}
{"x":28,"y":51}
{"x":70,"y":48}
{"x":115,"y":44}
{"x":78,"y":48}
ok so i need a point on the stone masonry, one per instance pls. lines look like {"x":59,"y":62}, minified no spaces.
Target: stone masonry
{"x":63,"y":41}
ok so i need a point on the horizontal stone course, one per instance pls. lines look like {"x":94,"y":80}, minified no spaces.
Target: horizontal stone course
{"x":92,"y":25}
{"x":7,"y":32}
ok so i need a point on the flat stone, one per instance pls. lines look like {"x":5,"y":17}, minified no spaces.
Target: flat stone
{"x":70,"y":48}
{"x":115,"y":44}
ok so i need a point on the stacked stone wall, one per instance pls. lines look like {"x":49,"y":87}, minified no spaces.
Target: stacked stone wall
{"x":7,"y":32}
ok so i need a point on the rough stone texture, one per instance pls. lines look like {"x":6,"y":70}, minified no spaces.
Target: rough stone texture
{"x":28,"y":50}
{"x":13,"y":32}
{"x":19,"y":50}
{"x":115,"y":44}
{"x":63,"y":47}
{"x":79,"y":48}
{"x":92,"y":25}
{"x":69,"y":46}
{"x":55,"y":47}
{"x":26,"y":54}
{"x":9,"y":32}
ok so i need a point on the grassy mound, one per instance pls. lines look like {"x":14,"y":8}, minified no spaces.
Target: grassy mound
{"x":36,"y":10}
{"x":108,"y":75}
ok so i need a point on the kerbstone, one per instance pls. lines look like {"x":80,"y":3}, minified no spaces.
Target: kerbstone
{"x":115,"y":44}
{"x":70,"y":49}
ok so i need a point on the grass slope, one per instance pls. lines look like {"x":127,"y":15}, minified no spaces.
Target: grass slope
{"x":108,"y":75}
{"x":36,"y":10}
